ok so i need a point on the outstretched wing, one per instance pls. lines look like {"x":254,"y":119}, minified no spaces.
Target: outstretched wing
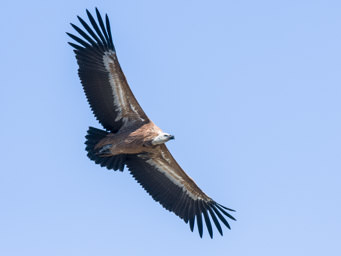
{"x":162,"y":177}
{"x":104,"y":83}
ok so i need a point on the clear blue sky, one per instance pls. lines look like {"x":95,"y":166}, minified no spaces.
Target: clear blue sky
{"x":251,"y":90}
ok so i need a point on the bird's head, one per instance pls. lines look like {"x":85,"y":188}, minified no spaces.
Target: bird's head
{"x":162,"y":138}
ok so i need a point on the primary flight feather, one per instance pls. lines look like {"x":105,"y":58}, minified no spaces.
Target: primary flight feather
{"x":130,"y":138}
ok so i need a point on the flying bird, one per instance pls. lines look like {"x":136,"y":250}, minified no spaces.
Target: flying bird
{"x":130,"y":138}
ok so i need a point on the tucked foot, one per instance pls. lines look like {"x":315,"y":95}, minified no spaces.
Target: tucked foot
{"x":105,"y":150}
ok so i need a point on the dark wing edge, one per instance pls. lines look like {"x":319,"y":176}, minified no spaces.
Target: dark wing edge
{"x":176,"y":198}
{"x":103,"y":86}
{"x":90,"y":49}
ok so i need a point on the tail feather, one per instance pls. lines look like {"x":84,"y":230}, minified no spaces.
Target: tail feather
{"x":93,"y":136}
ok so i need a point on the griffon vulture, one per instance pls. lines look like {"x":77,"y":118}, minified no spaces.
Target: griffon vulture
{"x":130,"y":138}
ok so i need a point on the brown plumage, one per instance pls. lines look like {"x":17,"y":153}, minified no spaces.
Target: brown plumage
{"x":131,"y":139}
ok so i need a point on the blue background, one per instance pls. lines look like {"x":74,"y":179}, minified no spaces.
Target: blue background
{"x":251,"y":90}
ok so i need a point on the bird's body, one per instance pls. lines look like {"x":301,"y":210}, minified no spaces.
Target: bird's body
{"x":130,"y":138}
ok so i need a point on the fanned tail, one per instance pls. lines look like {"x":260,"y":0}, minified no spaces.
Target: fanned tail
{"x":93,"y":136}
